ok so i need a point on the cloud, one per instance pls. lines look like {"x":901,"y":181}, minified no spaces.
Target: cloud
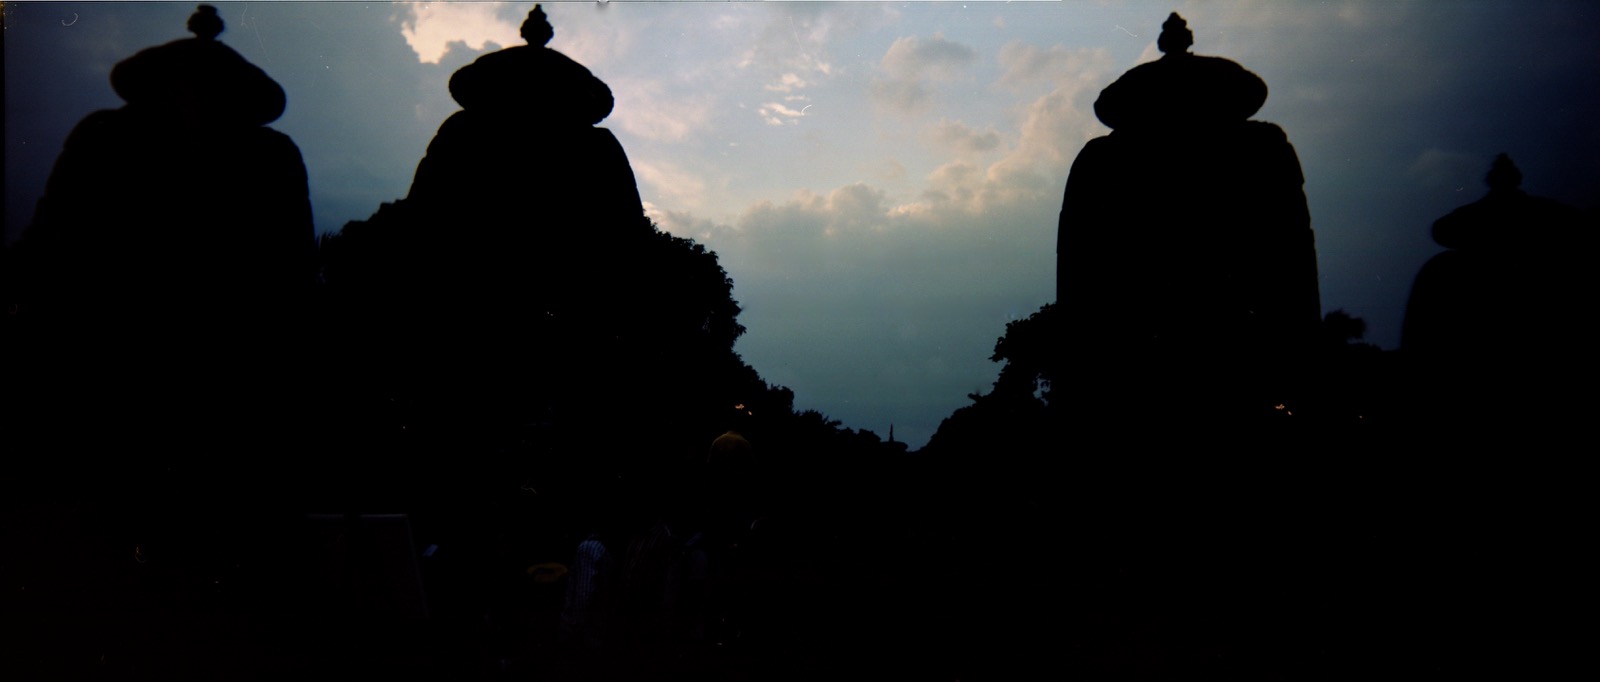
{"x":681,"y":223}
{"x":777,"y":114}
{"x":962,"y":139}
{"x":1024,"y":64}
{"x":430,"y":28}
{"x":900,"y":96}
{"x":891,"y":170}
{"x":788,"y":83}
{"x":936,"y":58}
{"x":1050,"y":129}
{"x":910,"y":64}
{"x":795,"y":39}
{"x":853,"y":288}
{"x":645,"y":109}
{"x":841,"y":291}
{"x":667,"y":182}
{"x":790,"y":49}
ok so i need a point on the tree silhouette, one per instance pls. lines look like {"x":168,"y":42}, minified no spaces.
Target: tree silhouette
{"x":1014,"y":416}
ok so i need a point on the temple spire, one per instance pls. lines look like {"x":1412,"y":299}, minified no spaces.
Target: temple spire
{"x":1175,"y":36}
{"x":537,"y":29}
{"x":204,"y":23}
{"x":1503,"y":175}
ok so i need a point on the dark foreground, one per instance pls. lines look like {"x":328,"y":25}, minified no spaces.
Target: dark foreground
{"x":1223,"y":570}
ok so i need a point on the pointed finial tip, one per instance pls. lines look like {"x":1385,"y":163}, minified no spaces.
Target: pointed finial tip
{"x":536,"y":29}
{"x":1503,"y":174}
{"x":205,"y":24}
{"x":1175,"y":35}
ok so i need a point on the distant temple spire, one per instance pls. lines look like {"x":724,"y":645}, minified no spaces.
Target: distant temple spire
{"x":1503,"y":175}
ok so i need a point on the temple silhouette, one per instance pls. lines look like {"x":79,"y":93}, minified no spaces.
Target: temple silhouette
{"x":1495,"y":315}
{"x":1186,"y":266}
{"x":163,"y":276}
{"x":245,"y":452}
{"x":154,"y":403}
{"x":469,"y":284}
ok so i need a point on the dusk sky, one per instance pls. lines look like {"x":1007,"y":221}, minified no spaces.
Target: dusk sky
{"x":882,"y":180}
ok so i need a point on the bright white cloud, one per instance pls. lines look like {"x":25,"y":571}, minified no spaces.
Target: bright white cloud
{"x":1048,"y":133}
{"x":777,"y":114}
{"x":430,"y":28}
{"x":668,"y":183}
{"x":788,"y":83}
{"x":646,"y":109}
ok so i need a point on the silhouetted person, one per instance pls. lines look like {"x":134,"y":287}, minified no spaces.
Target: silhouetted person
{"x":592,"y":590}
{"x":620,"y":619}
{"x":1496,"y":317}
{"x":730,"y":448}
{"x":1186,"y":272}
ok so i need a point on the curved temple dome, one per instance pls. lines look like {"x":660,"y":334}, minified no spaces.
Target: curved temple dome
{"x":199,"y":77}
{"x":1181,"y":87}
{"x":533,"y":80}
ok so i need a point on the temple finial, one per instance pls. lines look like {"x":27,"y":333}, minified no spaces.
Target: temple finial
{"x":204,"y":23}
{"x":536,"y":29}
{"x":1503,"y":175}
{"x":1175,"y":36}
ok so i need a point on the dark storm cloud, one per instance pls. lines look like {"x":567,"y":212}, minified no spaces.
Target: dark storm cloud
{"x":1397,"y":109}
